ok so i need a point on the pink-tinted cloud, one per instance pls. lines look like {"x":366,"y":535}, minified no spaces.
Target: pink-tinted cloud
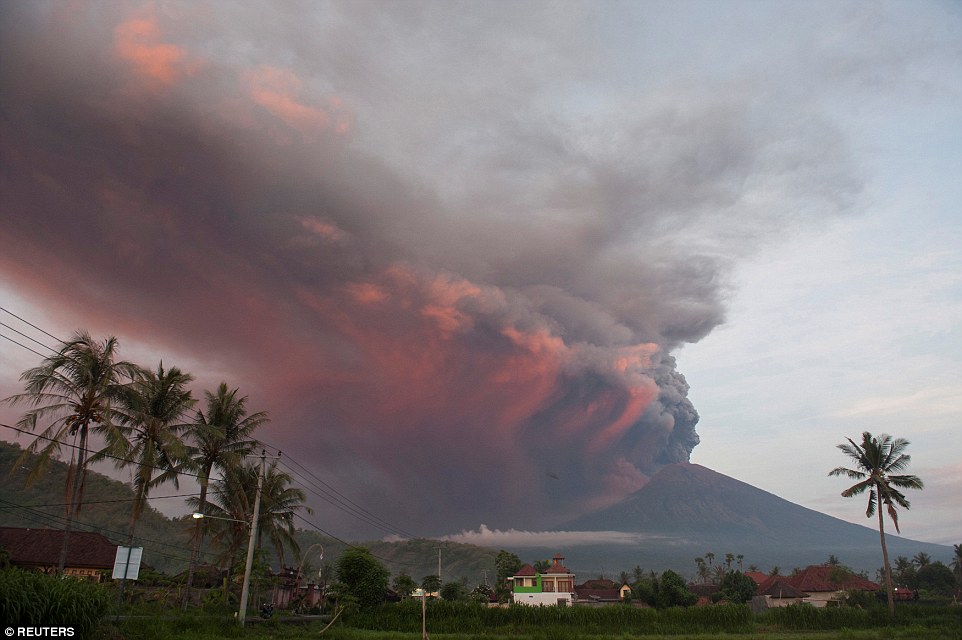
{"x":279,"y":91}
{"x":138,"y":41}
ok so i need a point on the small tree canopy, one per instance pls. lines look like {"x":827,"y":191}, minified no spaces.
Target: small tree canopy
{"x":737,"y":587}
{"x":363,"y":577}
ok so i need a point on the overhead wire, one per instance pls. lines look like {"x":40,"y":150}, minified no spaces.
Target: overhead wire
{"x":47,"y":518}
{"x":310,"y":481}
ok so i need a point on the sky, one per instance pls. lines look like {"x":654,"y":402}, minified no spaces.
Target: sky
{"x":490,"y":266}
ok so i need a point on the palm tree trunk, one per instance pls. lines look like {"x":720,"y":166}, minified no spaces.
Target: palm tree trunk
{"x":72,"y":507}
{"x":885,"y":557}
{"x":198,"y":537}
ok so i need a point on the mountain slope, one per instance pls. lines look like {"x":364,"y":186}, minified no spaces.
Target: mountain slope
{"x":687,"y":506}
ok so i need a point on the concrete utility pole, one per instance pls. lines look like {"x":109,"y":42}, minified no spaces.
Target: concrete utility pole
{"x":245,"y":589}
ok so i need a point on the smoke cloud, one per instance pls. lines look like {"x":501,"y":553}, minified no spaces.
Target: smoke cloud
{"x":456,"y":294}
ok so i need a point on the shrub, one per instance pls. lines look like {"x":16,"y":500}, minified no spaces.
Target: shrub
{"x":30,"y":599}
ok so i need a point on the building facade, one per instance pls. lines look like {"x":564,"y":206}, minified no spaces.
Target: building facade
{"x":555,"y":586}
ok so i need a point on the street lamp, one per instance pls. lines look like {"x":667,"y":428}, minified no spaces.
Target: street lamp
{"x":199,"y":516}
{"x":245,"y":589}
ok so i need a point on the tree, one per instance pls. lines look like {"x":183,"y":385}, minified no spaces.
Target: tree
{"x":148,"y":437}
{"x":702,"y":569}
{"x":738,"y":587}
{"x":541,"y":565}
{"x":72,"y":392}
{"x":234,"y":501}
{"x":431,"y":583}
{"x":218,"y":439}
{"x":878,"y":463}
{"x":481,"y":594}
{"x":671,"y":591}
{"x":957,"y":562}
{"x":404,"y":585}
{"x":936,"y":578}
{"x":506,"y":565}
{"x":904,"y":571}
{"x":921,"y":559}
{"x":453,"y":591}
{"x":362,"y":576}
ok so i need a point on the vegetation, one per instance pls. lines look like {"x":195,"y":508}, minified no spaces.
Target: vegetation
{"x":71,"y":393}
{"x":140,"y":418}
{"x":29,"y":599}
{"x":361,"y":577}
{"x":218,"y":439}
{"x":148,"y":436}
{"x":879,"y":461}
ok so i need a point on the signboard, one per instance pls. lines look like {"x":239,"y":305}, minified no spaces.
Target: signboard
{"x":127,"y":563}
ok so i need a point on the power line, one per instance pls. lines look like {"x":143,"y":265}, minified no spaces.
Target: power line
{"x":322,"y":489}
{"x":348,"y":544}
{"x":31,"y":324}
{"x":21,"y":333}
{"x":54,"y":519}
{"x":22,"y":345}
{"x":359,"y":513}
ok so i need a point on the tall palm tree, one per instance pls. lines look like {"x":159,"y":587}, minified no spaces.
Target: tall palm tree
{"x":148,"y":436}
{"x":71,"y":393}
{"x":218,"y":440}
{"x":879,"y":461}
{"x":921,"y":559}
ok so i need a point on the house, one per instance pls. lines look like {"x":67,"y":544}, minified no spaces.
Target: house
{"x":778,"y":592}
{"x":554,"y":586}
{"x":88,"y":554}
{"x":601,"y":591}
{"x":820,"y":584}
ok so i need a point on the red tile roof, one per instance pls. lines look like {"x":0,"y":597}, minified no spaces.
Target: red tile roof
{"x":757,"y":576}
{"x":825,"y":577}
{"x":41,"y":547}
{"x":526,"y":570}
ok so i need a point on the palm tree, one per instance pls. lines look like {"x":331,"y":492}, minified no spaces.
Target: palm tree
{"x":233,"y":505}
{"x":218,"y":439}
{"x":76,"y":390}
{"x":878,"y":462}
{"x":902,"y":568}
{"x":921,"y":559}
{"x":148,"y":437}
{"x":957,"y":561}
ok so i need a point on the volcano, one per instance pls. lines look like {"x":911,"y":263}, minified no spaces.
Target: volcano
{"x":687,"y":510}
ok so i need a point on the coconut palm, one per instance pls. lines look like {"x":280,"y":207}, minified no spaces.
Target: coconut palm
{"x":957,"y":562}
{"x":73,"y":392}
{"x":218,"y":440}
{"x":879,"y":461}
{"x":148,"y":437}
{"x":232,"y":505}
{"x":921,"y":559}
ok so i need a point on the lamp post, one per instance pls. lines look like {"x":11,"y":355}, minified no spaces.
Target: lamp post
{"x":202,"y":516}
{"x":245,"y":589}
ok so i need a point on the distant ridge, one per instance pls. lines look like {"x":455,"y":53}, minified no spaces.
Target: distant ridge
{"x":688,"y":510}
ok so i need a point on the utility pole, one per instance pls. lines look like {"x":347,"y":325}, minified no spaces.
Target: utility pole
{"x":439,"y":562}
{"x":245,"y":589}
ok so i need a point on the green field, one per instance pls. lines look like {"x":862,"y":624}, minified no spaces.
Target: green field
{"x":465,"y":622}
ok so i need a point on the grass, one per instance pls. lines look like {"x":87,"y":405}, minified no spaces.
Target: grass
{"x":921,"y":623}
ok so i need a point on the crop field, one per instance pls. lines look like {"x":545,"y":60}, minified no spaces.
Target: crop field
{"x":523,"y":623}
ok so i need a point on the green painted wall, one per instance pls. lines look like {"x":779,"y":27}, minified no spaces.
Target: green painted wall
{"x":535,"y":589}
